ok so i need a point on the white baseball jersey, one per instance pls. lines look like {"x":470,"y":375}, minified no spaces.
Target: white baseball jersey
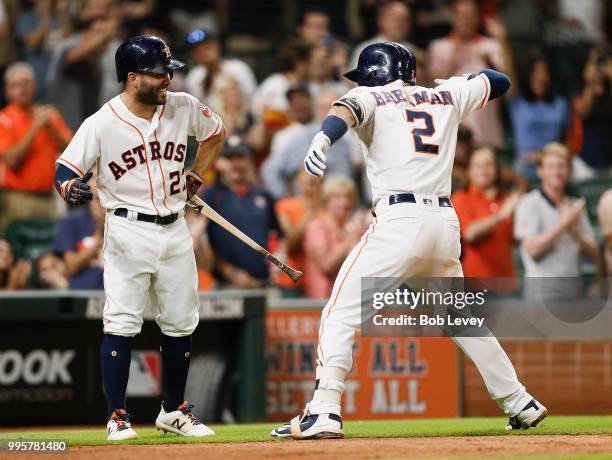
{"x":410,"y":132}
{"x":141,"y":164}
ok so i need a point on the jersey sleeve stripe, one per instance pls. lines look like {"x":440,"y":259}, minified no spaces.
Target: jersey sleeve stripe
{"x":486,"y":96}
{"x":214,"y":133}
{"x":146,"y":159}
{"x":70,"y":166}
{"x":358,"y":121}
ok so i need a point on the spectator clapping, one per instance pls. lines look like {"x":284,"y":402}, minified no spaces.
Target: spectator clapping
{"x":552,"y":227}
{"x":330,"y":237}
{"x":485,"y":213}
{"x":31,"y":137}
{"x":14,"y":275}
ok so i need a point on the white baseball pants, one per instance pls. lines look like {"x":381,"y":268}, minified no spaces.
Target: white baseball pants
{"x":149,"y":264}
{"x":407,"y":240}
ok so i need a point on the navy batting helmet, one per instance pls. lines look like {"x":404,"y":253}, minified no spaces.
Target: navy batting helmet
{"x":382,"y":63}
{"x":144,"y":53}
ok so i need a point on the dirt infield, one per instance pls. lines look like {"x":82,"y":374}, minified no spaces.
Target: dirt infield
{"x":480,"y":446}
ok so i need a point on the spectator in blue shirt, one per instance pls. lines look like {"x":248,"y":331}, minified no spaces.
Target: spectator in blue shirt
{"x":79,"y":240}
{"x":250,"y":208}
{"x":538,"y":116}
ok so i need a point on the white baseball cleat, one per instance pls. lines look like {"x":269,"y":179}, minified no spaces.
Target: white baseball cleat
{"x":119,"y":427}
{"x":311,"y":426}
{"x":283,"y":431}
{"x":532,"y":414}
{"x":182,"y":422}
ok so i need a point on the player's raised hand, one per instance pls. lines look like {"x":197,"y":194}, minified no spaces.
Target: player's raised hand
{"x":315,"y":162}
{"x":76,"y":191}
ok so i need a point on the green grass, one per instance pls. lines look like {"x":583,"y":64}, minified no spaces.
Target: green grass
{"x":358,"y":429}
{"x":536,"y":457}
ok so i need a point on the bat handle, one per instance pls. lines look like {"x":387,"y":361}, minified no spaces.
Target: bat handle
{"x":193,"y":204}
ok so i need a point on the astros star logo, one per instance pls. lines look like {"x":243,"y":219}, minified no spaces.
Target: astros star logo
{"x":205,"y":111}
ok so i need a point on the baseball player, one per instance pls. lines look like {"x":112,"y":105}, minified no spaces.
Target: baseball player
{"x":409,"y":134}
{"x":137,"y":141}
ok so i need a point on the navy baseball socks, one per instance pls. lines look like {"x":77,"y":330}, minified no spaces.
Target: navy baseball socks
{"x":321,"y":418}
{"x":175,"y":415}
{"x":115,"y":356}
{"x":176,"y":353}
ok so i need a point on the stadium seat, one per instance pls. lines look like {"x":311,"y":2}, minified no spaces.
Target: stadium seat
{"x":30,"y":238}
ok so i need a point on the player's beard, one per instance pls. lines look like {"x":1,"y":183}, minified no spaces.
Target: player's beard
{"x":149,"y":95}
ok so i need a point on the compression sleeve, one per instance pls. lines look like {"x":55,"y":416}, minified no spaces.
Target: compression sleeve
{"x":62,"y":174}
{"x":500,"y":83}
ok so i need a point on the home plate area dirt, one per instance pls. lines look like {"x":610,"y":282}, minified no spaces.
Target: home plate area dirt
{"x":396,"y":448}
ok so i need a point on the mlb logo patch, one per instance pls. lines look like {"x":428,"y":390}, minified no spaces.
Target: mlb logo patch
{"x":427,"y":202}
{"x":145,"y":374}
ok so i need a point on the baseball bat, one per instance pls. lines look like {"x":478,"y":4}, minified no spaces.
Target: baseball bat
{"x":204,"y":209}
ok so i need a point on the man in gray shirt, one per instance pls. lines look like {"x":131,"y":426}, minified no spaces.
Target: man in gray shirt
{"x":286,"y":158}
{"x":553,"y":228}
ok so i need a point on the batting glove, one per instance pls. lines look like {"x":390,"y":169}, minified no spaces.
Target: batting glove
{"x":315,"y":162}
{"x":76,"y":191}
{"x":193,"y":182}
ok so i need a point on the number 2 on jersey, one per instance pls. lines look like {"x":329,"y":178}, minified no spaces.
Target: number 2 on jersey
{"x":418,"y":133}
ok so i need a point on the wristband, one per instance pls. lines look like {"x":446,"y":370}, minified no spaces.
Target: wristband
{"x":334,"y":128}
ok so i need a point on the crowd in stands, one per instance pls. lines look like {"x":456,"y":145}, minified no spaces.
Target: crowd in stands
{"x":531,"y":169}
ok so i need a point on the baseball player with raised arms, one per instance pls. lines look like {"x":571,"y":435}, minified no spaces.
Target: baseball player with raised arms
{"x":138,"y":143}
{"x":409,"y":134}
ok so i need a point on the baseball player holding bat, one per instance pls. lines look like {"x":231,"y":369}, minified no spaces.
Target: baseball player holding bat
{"x":138,"y":141}
{"x":409,"y":135}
